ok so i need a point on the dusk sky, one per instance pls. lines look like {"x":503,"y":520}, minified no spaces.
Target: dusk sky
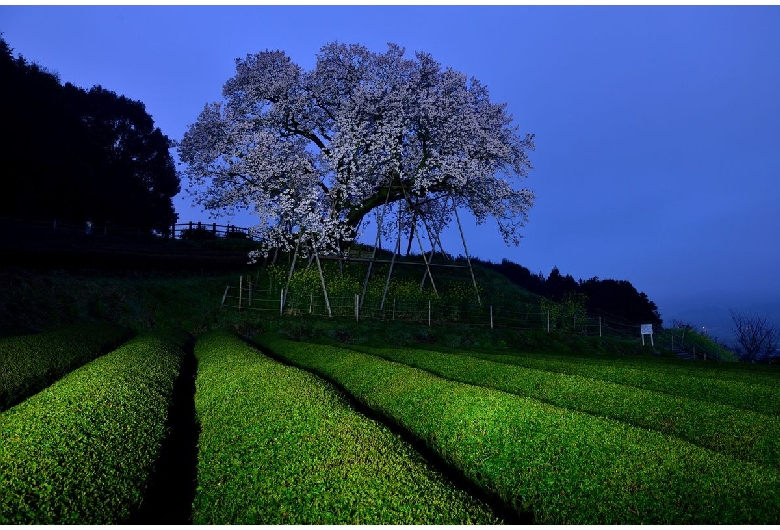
{"x":657,"y":128}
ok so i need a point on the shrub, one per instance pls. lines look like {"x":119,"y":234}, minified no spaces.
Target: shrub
{"x":81,"y":451}
{"x":565,"y":466}
{"x":280,"y":446}
{"x":32,"y":362}
{"x":740,"y":433}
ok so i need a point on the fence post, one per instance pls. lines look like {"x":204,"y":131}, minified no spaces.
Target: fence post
{"x":357,"y":308}
{"x":240,"y":290}
{"x":393,"y":308}
{"x":55,"y":224}
{"x":429,"y":312}
{"x":491,"y":317}
{"x":214,"y":228}
{"x":548,"y":321}
{"x":249,"y":279}
{"x":599,"y":327}
{"x":225,"y":295}
{"x":311,"y":302}
{"x":281,"y":301}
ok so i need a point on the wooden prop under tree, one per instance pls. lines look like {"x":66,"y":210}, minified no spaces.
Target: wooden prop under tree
{"x":433,"y":238}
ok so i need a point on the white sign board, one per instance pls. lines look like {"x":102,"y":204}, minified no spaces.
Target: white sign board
{"x":647,"y":329}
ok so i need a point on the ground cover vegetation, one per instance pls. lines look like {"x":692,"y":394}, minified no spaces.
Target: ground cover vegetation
{"x":737,"y":385}
{"x":559,"y":465}
{"x":32,"y":362}
{"x":278,"y":445}
{"x":82,"y":451}
{"x":737,"y":432}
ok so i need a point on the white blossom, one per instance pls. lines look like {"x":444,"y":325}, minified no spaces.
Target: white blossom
{"x":314,"y":152}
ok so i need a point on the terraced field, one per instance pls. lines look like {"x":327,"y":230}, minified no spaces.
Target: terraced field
{"x":312,"y":433}
{"x":556,"y":461}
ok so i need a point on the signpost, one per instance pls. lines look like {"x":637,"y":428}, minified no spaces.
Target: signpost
{"x":647,"y":329}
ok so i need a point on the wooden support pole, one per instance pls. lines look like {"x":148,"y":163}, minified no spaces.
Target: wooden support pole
{"x":466,"y":250}
{"x":427,"y":266}
{"x":491,"y":317}
{"x":225,"y":295}
{"x":357,"y":308}
{"x":380,"y":219}
{"x":322,"y":280}
{"x":240,"y":290}
{"x":390,"y":270}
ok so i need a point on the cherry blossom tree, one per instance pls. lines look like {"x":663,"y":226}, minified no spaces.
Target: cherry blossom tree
{"x":314,"y":152}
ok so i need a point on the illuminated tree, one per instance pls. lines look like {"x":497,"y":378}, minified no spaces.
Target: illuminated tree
{"x":312,"y":153}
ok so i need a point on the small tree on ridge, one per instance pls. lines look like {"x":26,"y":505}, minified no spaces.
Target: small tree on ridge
{"x":756,"y":335}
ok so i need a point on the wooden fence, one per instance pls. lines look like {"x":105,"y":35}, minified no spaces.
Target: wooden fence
{"x":189,"y":230}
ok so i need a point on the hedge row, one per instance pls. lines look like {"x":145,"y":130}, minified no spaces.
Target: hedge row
{"x":281,"y":446}
{"x":752,"y":388}
{"x":32,"y":362}
{"x":566,"y":467}
{"x":736,"y":432}
{"x":81,"y":450}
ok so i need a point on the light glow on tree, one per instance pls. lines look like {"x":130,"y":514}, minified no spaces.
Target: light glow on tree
{"x":312,"y":153}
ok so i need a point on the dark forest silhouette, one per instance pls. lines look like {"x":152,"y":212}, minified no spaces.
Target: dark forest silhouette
{"x":80,"y":155}
{"x":617,"y":297}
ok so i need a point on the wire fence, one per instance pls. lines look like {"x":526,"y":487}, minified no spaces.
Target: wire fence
{"x":250,"y":296}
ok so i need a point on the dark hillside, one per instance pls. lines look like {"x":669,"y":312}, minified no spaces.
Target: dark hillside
{"x":41,"y":246}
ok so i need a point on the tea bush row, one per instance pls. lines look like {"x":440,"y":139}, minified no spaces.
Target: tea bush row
{"x":739,"y":433}
{"x":281,"y":446}
{"x":752,"y":388}
{"x":81,"y":451}
{"x":566,"y":467}
{"x":32,"y":362}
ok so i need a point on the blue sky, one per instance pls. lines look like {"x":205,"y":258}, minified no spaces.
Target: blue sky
{"x":657,"y":128}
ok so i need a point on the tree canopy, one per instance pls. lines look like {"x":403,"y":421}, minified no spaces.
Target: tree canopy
{"x":614,"y":297}
{"x":314,"y":152}
{"x":75,"y":154}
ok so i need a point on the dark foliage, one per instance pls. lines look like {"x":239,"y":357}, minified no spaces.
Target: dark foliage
{"x":616,"y":297}
{"x":78,"y":155}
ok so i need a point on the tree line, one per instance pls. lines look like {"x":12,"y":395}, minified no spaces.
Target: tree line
{"x":80,"y":155}
{"x":617,"y":297}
